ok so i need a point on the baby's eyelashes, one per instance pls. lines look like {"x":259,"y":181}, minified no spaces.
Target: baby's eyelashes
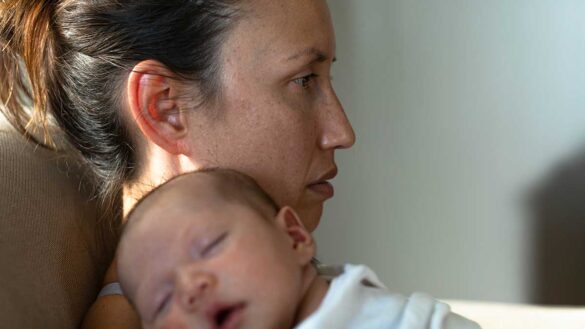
{"x":163,"y":306}
{"x":207,"y":245}
{"x":214,"y":247}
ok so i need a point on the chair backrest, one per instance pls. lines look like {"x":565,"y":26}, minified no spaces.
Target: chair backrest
{"x":55,"y":243}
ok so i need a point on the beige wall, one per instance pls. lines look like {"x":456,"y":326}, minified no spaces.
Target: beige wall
{"x":461,"y":108}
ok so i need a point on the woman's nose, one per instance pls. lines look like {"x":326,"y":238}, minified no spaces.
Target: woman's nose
{"x":194,"y":286}
{"x":337,"y":131}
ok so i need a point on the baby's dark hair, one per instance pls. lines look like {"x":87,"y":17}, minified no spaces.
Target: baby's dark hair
{"x":230,"y":185}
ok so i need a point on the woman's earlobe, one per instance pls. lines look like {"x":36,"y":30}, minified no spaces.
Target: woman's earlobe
{"x":152,"y":101}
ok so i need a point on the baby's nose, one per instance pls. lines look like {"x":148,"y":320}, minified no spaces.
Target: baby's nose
{"x":195,"y":287}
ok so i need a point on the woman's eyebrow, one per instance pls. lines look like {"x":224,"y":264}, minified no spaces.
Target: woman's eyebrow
{"x":315,"y":54}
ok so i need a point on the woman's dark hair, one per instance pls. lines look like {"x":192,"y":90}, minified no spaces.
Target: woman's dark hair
{"x":67,"y":61}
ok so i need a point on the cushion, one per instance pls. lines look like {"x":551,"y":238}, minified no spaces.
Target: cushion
{"x":55,"y":241}
{"x":492,"y":315}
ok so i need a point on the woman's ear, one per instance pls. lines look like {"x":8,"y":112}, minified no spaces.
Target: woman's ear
{"x":302,"y":242}
{"x":152,"y":99}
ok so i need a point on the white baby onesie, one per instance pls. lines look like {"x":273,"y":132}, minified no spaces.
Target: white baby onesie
{"x":357,"y":299}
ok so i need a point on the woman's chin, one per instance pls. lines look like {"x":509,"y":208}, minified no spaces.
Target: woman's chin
{"x":311,"y":216}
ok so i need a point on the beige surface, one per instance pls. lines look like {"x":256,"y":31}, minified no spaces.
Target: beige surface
{"x":53,"y":249}
{"x":519,"y":316}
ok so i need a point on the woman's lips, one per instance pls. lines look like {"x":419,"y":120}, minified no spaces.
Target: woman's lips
{"x":324,"y":189}
{"x":322,"y":186}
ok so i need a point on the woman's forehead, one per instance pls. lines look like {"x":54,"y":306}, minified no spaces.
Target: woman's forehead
{"x":278,"y":30}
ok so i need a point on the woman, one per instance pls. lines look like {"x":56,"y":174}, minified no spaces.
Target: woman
{"x":146,"y":90}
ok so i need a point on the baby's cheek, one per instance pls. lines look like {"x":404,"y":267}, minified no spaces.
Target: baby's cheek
{"x":173,"y":320}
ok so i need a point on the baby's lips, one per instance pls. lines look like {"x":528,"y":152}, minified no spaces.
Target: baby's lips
{"x":225,"y":316}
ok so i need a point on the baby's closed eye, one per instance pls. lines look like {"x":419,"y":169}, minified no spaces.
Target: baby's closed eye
{"x":214,"y":246}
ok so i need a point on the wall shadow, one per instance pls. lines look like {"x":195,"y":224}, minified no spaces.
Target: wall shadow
{"x":558,"y":209}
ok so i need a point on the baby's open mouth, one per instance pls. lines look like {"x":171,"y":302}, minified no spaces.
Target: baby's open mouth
{"x":227,"y":317}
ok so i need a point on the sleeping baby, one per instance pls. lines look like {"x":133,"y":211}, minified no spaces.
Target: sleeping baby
{"x":211,"y":250}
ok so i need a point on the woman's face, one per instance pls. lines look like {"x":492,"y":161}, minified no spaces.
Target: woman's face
{"x":278,"y":118}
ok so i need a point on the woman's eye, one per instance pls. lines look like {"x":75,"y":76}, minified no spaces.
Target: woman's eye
{"x":305,"y":82}
{"x":212,"y":248}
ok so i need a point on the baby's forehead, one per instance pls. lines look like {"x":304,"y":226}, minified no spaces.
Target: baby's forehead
{"x":187,"y":192}
{"x":190,"y":195}
{"x":176,"y":210}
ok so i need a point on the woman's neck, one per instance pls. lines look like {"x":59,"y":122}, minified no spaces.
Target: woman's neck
{"x":130,"y":197}
{"x":158,"y":167}
{"x":316,"y":289}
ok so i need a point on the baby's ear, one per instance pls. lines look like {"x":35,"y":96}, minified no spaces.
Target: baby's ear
{"x":302,"y":242}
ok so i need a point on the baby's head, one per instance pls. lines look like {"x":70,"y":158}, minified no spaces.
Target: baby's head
{"x":212,"y":250}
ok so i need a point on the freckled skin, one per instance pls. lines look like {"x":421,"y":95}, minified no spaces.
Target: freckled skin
{"x":272,"y":122}
{"x":267,"y":125}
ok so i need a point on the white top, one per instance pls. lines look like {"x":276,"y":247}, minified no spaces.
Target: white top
{"x":357,"y":299}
